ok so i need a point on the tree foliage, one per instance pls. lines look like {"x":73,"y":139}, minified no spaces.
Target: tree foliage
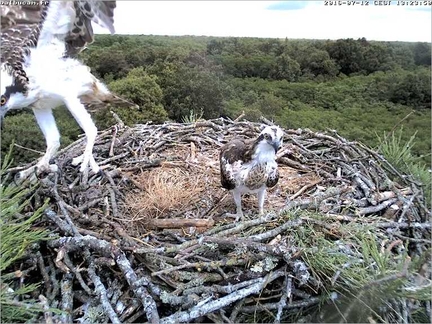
{"x":142,"y":89}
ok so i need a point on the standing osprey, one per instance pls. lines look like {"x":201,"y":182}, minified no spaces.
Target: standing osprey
{"x":250,"y":166}
{"x":38,"y":68}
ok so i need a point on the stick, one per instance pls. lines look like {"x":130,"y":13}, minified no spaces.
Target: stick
{"x":149,"y":304}
{"x":377,"y":208}
{"x":276,"y":231}
{"x":197,"y":311}
{"x":272,"y":306}
{"x":117,"y":119}
{"x":313,"y":203}
{"x":212,"y":264}
{"x":266,"y":121}
{"x":67,"y":298}
{"x":304,"y":188}
{"x":69,"y":264}
{"x":28,"y":149}
{"x":44,"y":273}
{"x":102,"y":293}
{"x":283,"y":301}
{"x":180,"y":223}
{"x":47,"y":314}
{"x":239,"y":117}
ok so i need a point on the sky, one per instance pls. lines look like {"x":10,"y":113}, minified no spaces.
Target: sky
{"x":275,"y":19}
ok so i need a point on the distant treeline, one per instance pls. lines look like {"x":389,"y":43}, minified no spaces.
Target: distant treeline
{"x":359,"y":88}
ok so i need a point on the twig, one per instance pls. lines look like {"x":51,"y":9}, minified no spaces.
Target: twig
{"x":77,"y":273}
{"x":102,"y":294}
{"x":53,"y":279}
{"x":415,"y":240}
{"x":239,"y":117}
{"x":212,"y":264}
{"x":285,"y":296}
{"x":377,"y":208}
{"x":67,"y":298}
{"x":47,"y":313}
{"x":65,"y":227}
{"x":276,"y":231}
{"x":197,"y":311}
{"x":44,"y":273}
{"x":61,"y":204}
{"x":313,"y":203}
{"x":28,"y":149}
{"x":147,"y":300}
{"x":272,"y":306}
{"x":266,"y":121}
{"x":113,"y":203}
{"x":304,"y":188}
{"x":236,"y":310}
{"x":180,"y":223}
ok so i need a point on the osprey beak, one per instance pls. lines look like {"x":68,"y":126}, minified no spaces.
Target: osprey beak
{"x":276,"y":145}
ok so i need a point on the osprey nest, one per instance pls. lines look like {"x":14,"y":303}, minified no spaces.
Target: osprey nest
{"x":345,"y":237}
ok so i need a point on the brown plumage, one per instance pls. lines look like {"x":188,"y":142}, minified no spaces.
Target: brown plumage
{"x":233,"y":151}
{"x":81,"y":35}
{"x":20,"y":29}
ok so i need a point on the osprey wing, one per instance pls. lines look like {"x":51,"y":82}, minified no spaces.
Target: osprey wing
{"x":20,"y":26}
{"x":12,"y":15}
{"x":71,"y":21}
{"x":273,"y":177}
{"x":232,"y":153}
{"x":27,"y":26}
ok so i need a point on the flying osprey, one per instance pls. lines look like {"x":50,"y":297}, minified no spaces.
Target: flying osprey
{"x":250,"y":166}
{"x":39,"y":41}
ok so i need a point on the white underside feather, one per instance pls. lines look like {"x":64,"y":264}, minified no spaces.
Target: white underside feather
{"x":58,"y":22}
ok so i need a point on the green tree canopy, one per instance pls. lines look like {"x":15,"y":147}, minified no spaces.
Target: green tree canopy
{"x":142,"y":89}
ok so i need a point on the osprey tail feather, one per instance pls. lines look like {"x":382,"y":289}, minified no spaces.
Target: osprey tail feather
{"x":100,"y":97}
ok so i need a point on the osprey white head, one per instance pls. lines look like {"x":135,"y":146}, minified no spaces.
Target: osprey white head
{"x":269,"y":141}
{"x":13,"y":94}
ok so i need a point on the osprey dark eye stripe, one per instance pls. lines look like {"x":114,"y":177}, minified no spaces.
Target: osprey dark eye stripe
{"x":14,"y":88}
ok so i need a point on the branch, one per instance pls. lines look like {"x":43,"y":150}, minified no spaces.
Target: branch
{"x":200,"y":310}
{"x":377,"y":208}
{"x":46,"y":308}
{"x":148,"y":302}
{"x":272,"y":306}
{"x":180,"y":223}
{"x":102,"y":293}
{"x":67,"y":298}
{"x":107,"y":249}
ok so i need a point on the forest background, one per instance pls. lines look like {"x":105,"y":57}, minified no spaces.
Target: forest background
{"x":362,"y":89}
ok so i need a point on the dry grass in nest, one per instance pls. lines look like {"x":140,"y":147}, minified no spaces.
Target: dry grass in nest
{"x":189,"y":188}
{"x":292,"y":181}
{"x":165,"y":191}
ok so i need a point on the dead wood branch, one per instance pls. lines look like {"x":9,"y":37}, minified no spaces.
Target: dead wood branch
{"x":102,"y":293}
{"x":47,"y":313}
{"x":209,"y":307}
{"x":67,"y":298}
{"x":180,"y":223}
